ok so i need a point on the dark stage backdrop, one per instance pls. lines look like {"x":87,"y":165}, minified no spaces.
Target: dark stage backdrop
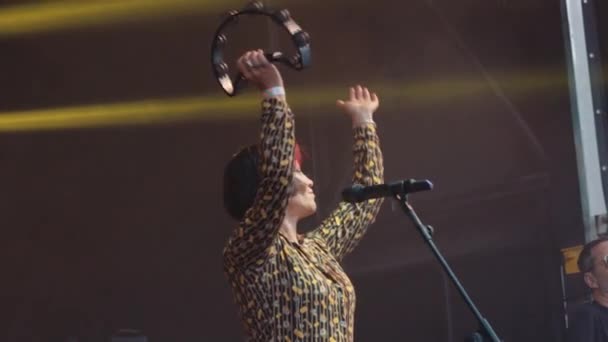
{"x":122,"y":226}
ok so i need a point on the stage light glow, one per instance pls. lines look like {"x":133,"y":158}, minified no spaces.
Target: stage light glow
{"x":48,"y":16}
{"x":221,"y":108}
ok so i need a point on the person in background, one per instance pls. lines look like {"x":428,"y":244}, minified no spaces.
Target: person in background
{"x":589,"y":322}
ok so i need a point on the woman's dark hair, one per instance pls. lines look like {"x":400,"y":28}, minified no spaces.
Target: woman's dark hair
{"x":242,"y":177}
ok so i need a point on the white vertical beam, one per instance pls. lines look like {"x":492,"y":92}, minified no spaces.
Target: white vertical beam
{"x":589,"y":168}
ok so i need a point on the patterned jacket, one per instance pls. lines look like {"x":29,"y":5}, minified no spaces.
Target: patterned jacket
{"x":298,"y":291}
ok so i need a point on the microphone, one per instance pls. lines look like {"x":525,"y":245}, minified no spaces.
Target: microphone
{"x":359,"y":193}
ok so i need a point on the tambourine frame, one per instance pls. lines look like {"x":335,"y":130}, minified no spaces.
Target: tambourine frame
{"x":300,"y":38}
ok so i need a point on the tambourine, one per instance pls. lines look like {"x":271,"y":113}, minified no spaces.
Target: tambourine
{"x":301,"y":39}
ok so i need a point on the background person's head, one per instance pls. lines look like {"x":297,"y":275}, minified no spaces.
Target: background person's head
{"x":593,"y":263}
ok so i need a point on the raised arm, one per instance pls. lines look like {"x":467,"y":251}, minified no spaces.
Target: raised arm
{"x":343,"y":229}
{"x":250,"y":242}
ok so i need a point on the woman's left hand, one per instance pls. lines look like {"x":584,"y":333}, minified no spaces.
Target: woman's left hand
{"x":360,"y":106}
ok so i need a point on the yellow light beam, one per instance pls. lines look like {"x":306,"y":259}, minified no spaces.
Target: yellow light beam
{"x":138,"y":112}
{"x":55,"y":15}
{"x":220,"y":107}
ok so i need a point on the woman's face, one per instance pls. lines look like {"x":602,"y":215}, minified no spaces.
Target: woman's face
{"x":302,"y":201}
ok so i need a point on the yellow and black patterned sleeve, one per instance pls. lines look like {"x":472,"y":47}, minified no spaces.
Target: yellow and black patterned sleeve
{"x":345,"y":227}
{"x":249,"y":243}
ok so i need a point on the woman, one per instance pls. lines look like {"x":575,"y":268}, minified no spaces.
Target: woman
{"x":291,"y":287}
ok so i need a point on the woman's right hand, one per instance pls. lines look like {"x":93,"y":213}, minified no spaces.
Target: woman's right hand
{"x":259,"y":71}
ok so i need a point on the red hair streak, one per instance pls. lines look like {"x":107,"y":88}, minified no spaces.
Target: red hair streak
{"x":297,"y":155}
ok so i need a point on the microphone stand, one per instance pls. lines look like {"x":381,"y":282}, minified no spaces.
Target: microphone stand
{"x":485,"y":332}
